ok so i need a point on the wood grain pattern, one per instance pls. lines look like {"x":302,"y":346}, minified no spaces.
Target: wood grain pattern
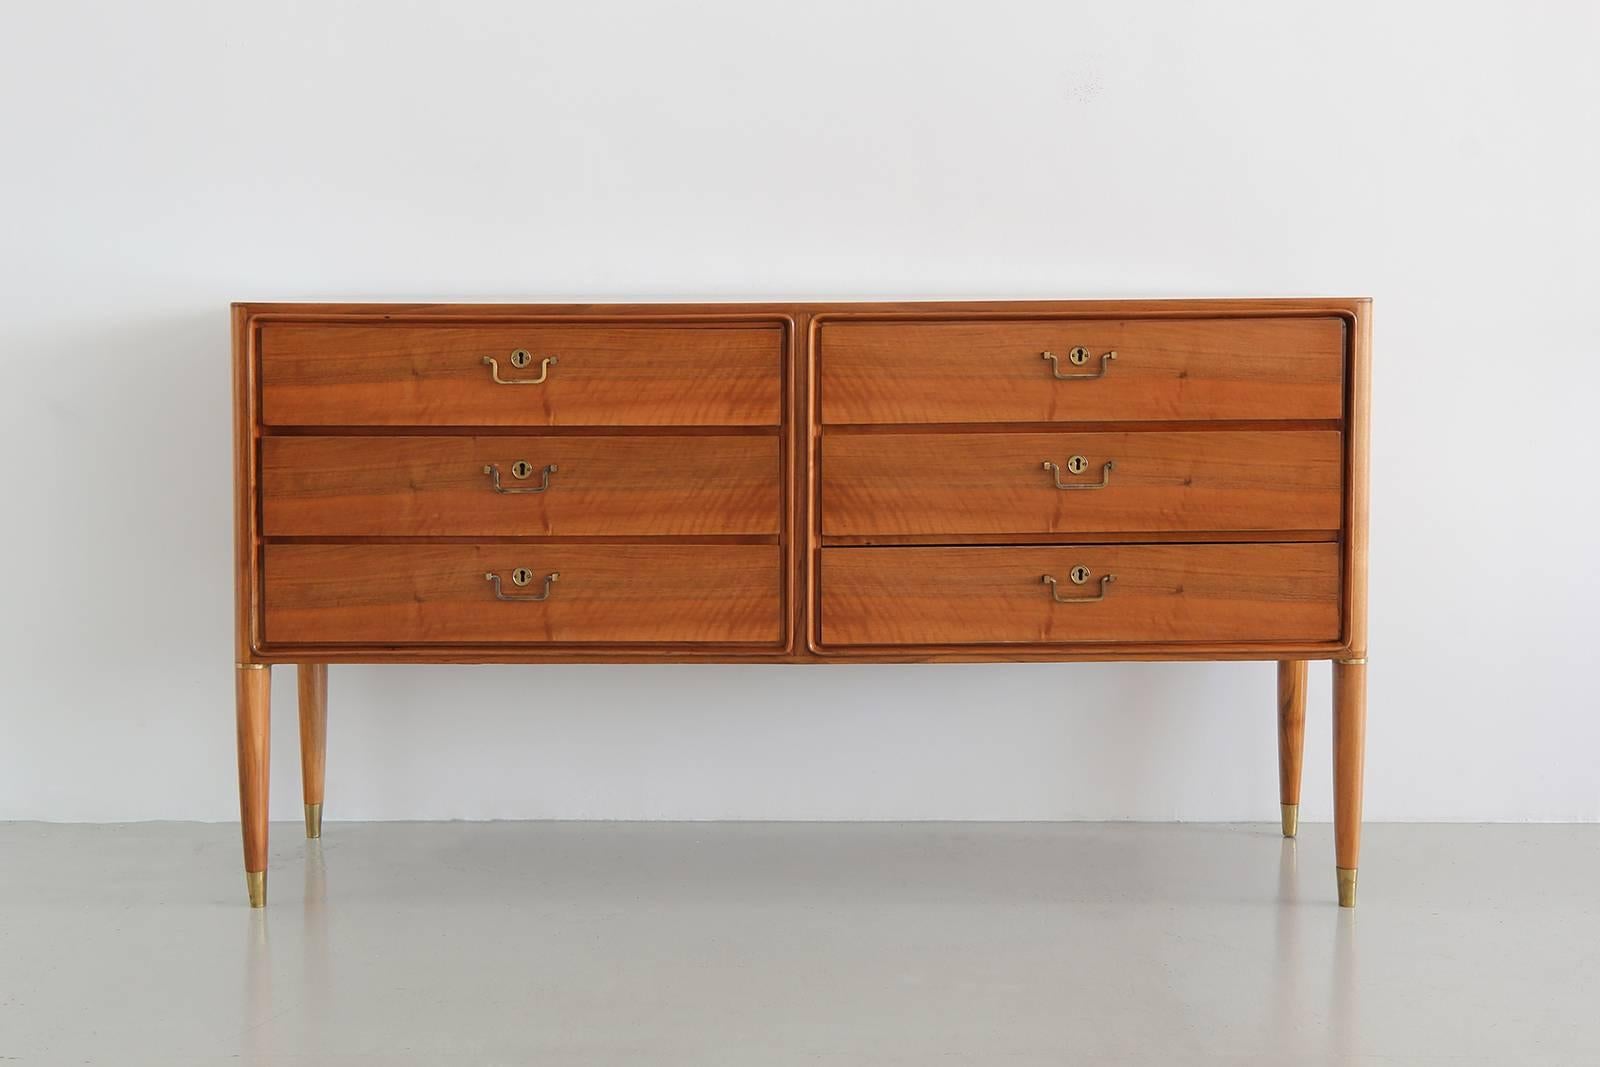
{"x":606,"y":594}
{"x":253,"y":723}
{"x":1184,"y":537}
{"x":995,"y":483}
{"x":1183,"y":369}
{"x":1291,"y":728}
{"x":607,"y":374}
{"x":1349,"y":759}
{"x":313,"y":693}
{"x":1358,"y":480}
{"x":246,"y":535}
{"x":988,"y":596}
{"x":803,"y":326}
{"x":603,"y":486}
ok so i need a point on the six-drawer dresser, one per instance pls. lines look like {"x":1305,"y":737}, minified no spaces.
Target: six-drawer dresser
{"x":802,"y":483}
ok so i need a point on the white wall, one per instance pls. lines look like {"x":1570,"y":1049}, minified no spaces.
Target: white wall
{"x":162,"y":159}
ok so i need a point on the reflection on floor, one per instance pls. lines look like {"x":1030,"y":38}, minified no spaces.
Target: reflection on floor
{"x":758,"y":944}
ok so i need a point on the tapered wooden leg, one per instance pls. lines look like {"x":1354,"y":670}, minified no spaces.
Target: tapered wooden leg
{"x":313,"y":740}
{"x":1349,"y":759}
{"x":1291,"y":739}
{"x":254,"y":720}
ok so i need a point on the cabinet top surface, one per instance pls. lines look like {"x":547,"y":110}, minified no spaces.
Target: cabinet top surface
{"x":1215,"y":306}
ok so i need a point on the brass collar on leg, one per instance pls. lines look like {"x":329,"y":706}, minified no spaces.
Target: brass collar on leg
{"x":252,"y":666}
{"x":1291,"y":819}
{"x":313,"y":820}
{"x":256,"y":882}
{"x":1347,"y":886}
{"x":1360,"y":661}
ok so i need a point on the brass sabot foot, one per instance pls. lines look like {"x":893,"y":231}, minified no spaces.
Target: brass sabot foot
{"x":1347,"y":887}
{"x":313,"y":820}
{"x":256,"y":881}
{"x":1291,"y":818}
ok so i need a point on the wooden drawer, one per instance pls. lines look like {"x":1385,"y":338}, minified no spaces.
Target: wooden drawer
{"x":574,"y":486}
{"x":981,"y":483}
{"x":597,"y":375}
{"x":1165,"y":369}
{"x":606,"y":594}
{"x":1161,"y":593}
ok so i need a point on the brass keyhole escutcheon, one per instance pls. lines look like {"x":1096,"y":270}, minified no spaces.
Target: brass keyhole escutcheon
{"x":521,"y":358}
{"x":1078,"y":356}
{"x":521,"y":469}
{"x":1077,"y":464}
{"x":1079,"y":574}
{"x":521,"y":576}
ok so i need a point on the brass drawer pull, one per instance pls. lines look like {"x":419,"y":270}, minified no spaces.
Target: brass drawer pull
{"x":1077,"y":465}
{"x":520,"y":469}
{"x":1078,"y":575}
{"x":522,"y":576}
{"x":520,"y":358}
{"x":1078,"y":356}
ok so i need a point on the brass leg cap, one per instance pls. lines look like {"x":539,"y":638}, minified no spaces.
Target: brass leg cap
{"x":313,"y":820}
{"x":257,"y":883}
{"x":1291,"y":818}
{"x":1347,"y":887}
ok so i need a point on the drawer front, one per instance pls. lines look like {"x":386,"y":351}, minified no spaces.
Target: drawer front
{"x":470,"y":486}
{"x":967,"y":483}
{"x":1164,"y":369}
{"x":594,"y":375}
{"x":1160,"y":593}
{"x":605,"y":594}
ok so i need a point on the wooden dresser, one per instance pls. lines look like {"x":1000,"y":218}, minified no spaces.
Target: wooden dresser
{"x":802,"y":483}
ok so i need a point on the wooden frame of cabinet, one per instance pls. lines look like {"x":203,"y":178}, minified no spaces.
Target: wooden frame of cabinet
{"x":799,"y":541}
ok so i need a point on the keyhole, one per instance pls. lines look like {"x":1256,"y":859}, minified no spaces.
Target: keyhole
{"x":521,"y":468}
{"x":1079,"y":574}
{"x":1077,"y":465}
{"x":521,"y":576}
{"x":1078,"y":356}
{"x":521,"y":357}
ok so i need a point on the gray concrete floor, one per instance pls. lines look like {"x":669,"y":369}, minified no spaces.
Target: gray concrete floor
{"x":756,"y":944}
